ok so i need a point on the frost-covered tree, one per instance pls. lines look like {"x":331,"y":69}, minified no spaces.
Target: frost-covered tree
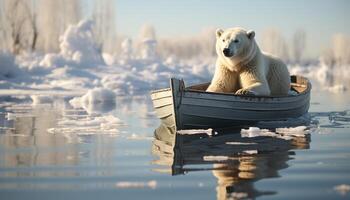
{"x":207,"y":40}
{"x":273,"y":42}
{"x":202,"y":44}
{"x":341,"y":49}
{"x":327,"y":58}
{"x":18,"y":25}
{"x":126,"y":48}
{"x":299,"y":44}
{"x":339,"y":52}
{"x":3,"y":32}
{"x":34,"y":25}
{"x":147,"y":42}
{"x":147,"y":31}
{"x":335,"y":62}
{"x":104,"y":28}
{"x":54,"y":17}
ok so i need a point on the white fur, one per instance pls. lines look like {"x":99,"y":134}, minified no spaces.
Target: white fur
{"x":245,"y":69}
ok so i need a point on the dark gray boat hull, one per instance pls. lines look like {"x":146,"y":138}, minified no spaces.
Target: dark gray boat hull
{"x":186,"y":108}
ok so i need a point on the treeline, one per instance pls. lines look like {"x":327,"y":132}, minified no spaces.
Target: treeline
{"x":35,"y":25}
{"x":203,"y":44}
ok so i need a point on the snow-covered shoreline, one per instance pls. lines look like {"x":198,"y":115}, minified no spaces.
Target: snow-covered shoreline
{"x":79,"y":66}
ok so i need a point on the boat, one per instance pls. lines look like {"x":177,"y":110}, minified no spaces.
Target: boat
{"x":193,"y":108}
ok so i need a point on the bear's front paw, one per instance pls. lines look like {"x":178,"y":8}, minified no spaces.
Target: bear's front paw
{"x":244,"y":92}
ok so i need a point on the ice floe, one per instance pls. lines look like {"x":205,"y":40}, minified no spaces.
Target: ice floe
{"x":342,"y":189}
{"x":129,"y":184}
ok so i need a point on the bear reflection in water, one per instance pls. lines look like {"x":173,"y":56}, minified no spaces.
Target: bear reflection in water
{"x":237,"y":162}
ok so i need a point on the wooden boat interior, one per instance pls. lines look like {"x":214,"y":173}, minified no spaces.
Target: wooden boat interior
{"x":298,"y":84}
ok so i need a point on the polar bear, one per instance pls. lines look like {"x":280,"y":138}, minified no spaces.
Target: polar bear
{"x":241,"y":67}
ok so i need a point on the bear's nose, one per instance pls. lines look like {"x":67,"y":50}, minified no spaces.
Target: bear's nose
{"x":226,"y":52}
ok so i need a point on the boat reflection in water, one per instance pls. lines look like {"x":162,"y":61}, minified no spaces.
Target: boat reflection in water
{"x":235,"y":160}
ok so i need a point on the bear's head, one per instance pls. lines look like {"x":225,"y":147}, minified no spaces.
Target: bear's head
{"x":235,"y":45}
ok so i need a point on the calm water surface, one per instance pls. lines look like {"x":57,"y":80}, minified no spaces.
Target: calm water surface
{"x":52,"y":151}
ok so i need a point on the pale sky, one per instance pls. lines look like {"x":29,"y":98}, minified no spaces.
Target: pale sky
{"x":319,"y":18}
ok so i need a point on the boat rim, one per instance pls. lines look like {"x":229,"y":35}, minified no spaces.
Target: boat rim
{"x":187,"y":89}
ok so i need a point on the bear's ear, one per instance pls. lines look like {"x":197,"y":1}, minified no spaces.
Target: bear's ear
{"x":219,"y":32}
{"x":250,"y":34}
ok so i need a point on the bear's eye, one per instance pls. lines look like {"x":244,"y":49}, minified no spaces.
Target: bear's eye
{"x":235,"y":41}
{"x":223,"y":40}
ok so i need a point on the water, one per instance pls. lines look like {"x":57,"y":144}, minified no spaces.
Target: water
{"x":53,"y":151}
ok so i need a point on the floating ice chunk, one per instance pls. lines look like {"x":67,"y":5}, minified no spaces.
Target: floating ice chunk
{"x":251,"y":152}
{"x":41,"y":99}
{"x":254,"y":129}
{"x":251,"y":132}
{"x":342,"y":189}
{"x":283,"y":133}
{"x":139,"y":137}
{"x":299,"y":131}
{"x":112,"y":119}
{"x":239,"y":195}
{"x":98,"y":95}
{"x":196,"y":131}
{"x":285,"y":137}
{"x":110,"y":122}
{"x":51,"y":130}
{"x":127,"y":184}
{"x":256,"y":132}
{"x":241,"y":143}
{"x":91,"y":121}
{"x":76,"y":102}
{"x":215,"y":158}
{"x":10,"y":116}
{"x":292,"y":129}
{"x":88,"y":125}
{"x":97,"y":100}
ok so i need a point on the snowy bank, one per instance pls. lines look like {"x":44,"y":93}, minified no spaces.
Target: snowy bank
{"x":79,"y":66}
{"x":77,"y":48}
{"x":9,"y":68}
